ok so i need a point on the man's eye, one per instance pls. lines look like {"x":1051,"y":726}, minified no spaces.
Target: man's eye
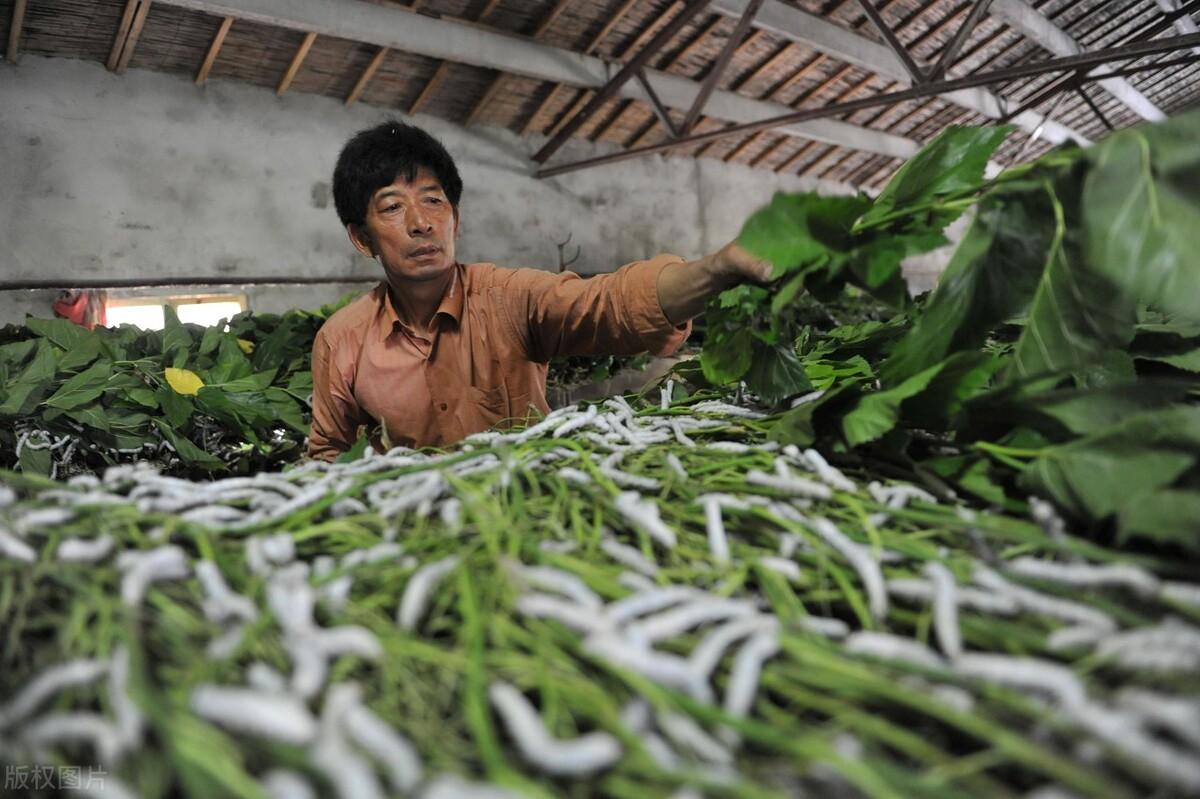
{"x":392,"y":207}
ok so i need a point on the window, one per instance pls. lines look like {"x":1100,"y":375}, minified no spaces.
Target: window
{"x":198,"y":309}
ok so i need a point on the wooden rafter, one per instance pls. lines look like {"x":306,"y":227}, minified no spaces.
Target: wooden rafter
{"x":768,"y":151}
{"x":800,"y":74}
{"x":132,"y":21}
{"x":361,"y":84}
{"x":691,"y":47}
{"x":14,"y":31}
{"x":650,"y":30}
{"x":297,"y":60}
{"x":641,"y":133}
{"x":613,"y":22}
{"x":781,"y":55}
{"x":213,"y":49}
{"x":581,"y":100}
{"x":612,"y":121}
{"x":498,"y":82}
{"x":745,"y":145}
{"x":443,"y":69}
{"x":795,"y":157}
{"x":820,"y":160}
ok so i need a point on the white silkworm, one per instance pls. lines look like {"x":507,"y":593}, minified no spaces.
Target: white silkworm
{"x":573,"y":475}
{"x":266,"y":715}
{"x":291,"y":599}
{"x":286,"y":784}
{"x":386,"y":745}
{"x":732,"y":447}
{"x":636,"y":715}
{"x":222,"y":603}
{"x":450,"y":513}
{"x":628,"y":556}
{"x":263,"y":677}
{"x":16,"y":549}
{"x":660,"y":751}
{"x":627,"y":480}
{"x":685,"y":733}
{"x":714,"y":525}
{"x":350,"y":774}
{"x":643,"y":514}
{"x":707,"y":654}
{"x":859,"y":558}
{"x":945,"y":609}
{"x":309,"y":666}
{"x":823,"y":625}
{"x":558,"y":581}
{"x":1134,"y":578}
{"x":679,"y":620}
{"x":636,"y":582}
{"x":1037,"y":602}
{"x":415,"y":601}
{"x":347,"y":639}
{"x":1072,"y":637}
{"x":1164,"y":764}
{"x":44,"y":517}
{"x":1185,"y":593}
{"x":647,"y":601}
{"x":886,"y":646}
{"x":1161,"y":661}
{"x":68,"y":728}
{"x":550,"y":606}
{"x":676,"y":466}
{"x":256,"y":561}
{"x":792,"y":485}
{"x":586,"y":754}
{"x":72,"y":674}
{"x":85,"y":550}
{"x":129,"y":716}
{"x":788,"y":544}
{"x":558,"y":547}
{"x":1179,"y":716}
{"x":829,"y":474}
{"x":213,"y":515}
{"x":451,"y":786}
{"x":1047,"y":517}
{"x":143,"y":568}
{"x":680,"y":437}
{"x":922,"y":590}
{"x":804,"y":399}
{"x":1171,"y":634}
{"x":336,"y":593}
{"x":716,"y":406}
{"x":388,"y":550}
{"x":787,"y":568}
{"x":743,"y":678}
{"x":663,"y":668}
{"x":1025,"y":672}
{"x":549,"y":423}
{"x":571,"y":425}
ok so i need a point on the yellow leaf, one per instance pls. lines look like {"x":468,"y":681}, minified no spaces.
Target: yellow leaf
{"x":184,"y":381}
{"x":247,"y":346}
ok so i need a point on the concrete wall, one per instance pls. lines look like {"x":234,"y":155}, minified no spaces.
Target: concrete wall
{"x":146,"y":175}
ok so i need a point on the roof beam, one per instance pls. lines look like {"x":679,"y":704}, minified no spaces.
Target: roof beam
{"x":128,"y":32}
{"x":1183,"y":23}
{"x":14,"y":30}
{"x":439,"y":38}
{"x":213,"y":50}
{"x":297,"y":60}
{"x":361,"y":84}
{"x":1028,"y":21}
{"x":853,"y":48}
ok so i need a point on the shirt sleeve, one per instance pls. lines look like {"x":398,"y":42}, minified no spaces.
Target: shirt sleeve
{"x":335,"y":414}
{"x":612,"y":314}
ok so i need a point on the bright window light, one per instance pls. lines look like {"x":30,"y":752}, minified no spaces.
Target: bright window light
{"x":207,"y":313}
{"x":147,"y":317}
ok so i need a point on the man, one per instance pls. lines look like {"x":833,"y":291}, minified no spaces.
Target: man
{"x":439,"y":349}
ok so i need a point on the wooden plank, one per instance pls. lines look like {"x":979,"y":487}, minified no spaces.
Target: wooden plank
{"x":795,"y":157}
{"x":297,"y":60}
{"x":784,"y":53}
{"x":605,"y":127}
{"x":743,"y":146}
{"x":527,"y":128}
{"x":14,"y":31}
{"x":132,"y":22}
{"x":492,"y":91}
{"x":366,"y":76}
{"x":213,"y":50}
{"x":820,"y":162}
{"x":439,"y":76}
{"x":767,"y":152}
{"x":551,"y":18}
{"x":613,"y":21}
{"x":580,"y":102}
{"x":695,"y":43}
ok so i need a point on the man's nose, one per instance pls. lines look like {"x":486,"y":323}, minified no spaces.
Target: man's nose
{"x":418,"y":223}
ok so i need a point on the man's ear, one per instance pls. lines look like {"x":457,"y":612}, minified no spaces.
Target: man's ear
{"x":456,"y":220}
{"x":360,"y":237}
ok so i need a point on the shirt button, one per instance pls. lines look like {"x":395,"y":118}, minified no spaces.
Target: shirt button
{"x":444,"y":406}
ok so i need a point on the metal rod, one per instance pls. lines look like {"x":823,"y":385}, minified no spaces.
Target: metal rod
{"x":1066,"y":63}
{"x":613,"y":86}
{"x":1095,"y":108}
{"x":917,"y":75}
{"x":718,"y":67}
{"x":960,"y":38}
{"x":660,"y":110}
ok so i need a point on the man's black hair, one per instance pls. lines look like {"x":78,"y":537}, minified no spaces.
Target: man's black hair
{"x":377,"y":156}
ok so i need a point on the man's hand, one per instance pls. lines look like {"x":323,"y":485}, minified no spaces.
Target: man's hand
{"x":737,"y":262}
{"x":684,"y":289}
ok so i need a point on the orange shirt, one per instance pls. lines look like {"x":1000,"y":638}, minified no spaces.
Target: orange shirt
{"x":494,"y":332}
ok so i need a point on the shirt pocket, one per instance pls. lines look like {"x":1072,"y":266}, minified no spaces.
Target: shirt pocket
{"x":490,"y":405}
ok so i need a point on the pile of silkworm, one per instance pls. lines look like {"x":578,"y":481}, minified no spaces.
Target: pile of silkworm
{"x":617,"y":601}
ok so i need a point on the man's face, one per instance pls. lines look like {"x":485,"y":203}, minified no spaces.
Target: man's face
{"x":411,"y":228}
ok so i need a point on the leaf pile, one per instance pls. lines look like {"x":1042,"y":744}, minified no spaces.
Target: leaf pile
{"x":1058,"y":355}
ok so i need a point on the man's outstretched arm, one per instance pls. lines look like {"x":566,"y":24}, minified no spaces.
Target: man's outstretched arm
{"x":684,"y":288}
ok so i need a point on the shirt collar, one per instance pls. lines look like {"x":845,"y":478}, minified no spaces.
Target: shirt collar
{"x":451,"y":305}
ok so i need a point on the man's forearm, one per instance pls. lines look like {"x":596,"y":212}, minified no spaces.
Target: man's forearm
{"x":684,"y":288}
